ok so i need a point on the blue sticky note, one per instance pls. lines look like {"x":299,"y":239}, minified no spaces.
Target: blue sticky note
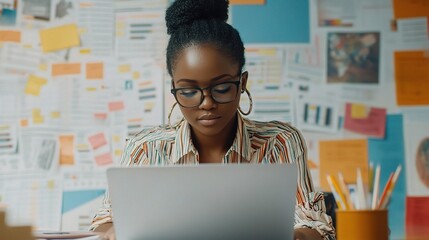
{"x":74,"y":199}
{"x":389,"y":153}
{"x":278,"y":21}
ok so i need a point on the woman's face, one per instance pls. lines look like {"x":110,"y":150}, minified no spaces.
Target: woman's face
{"x":205,"y":66}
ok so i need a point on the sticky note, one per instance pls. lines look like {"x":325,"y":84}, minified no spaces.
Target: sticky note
{"x":34,"y":85}
{"x":116,"y":106}
{"x":410,"y":8}
{"x":55,"y":115}
{"x":58,"y":38}
{"x":24,"y":122}
{"x":37,"y":116}
{"x":343,"y":156}
{"x":373,"y":125}
{"x":10,"y":36}
{"x":103,"y":159}
{"x":124,"y":68}
{"x":412,"y":78}
{"x":97,"y":140}
{"x":61,"y":69}
{"x":94,"y":71}
{"x":358,"y":111}
{"x":66,"y":149}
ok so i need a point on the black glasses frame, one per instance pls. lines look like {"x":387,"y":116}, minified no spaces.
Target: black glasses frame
{"x":237,"y":83}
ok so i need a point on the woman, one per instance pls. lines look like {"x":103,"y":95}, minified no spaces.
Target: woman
{"x":205,"y":58}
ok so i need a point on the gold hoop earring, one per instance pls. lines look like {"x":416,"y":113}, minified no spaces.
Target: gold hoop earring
{"x":169,"y":117}
{"x":251,"y":104}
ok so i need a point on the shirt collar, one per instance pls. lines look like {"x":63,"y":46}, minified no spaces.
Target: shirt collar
{"x":241,"y":145}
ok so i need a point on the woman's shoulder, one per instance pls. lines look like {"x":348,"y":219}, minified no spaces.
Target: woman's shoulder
{"x":153,"y":134}
{"x":270,"y":128}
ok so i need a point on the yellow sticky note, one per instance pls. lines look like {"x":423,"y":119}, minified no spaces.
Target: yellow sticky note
{"x":43,"y":67}
{"x":118,"y":152}
{"x":55,"y":115}
{"x":37,"y":116}
{"x":34,"y":85}
{"x":359,"y":111}
{"x":124,"y":68}
{"x":136,"y":75}
{"x":51,"y":184}
{"x":58,"y":38}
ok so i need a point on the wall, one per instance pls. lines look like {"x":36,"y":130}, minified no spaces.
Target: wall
{"x":79,"y":77}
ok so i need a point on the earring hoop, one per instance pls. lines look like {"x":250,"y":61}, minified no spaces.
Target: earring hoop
{"x":251,"y":104}
{"x":169,"y":117}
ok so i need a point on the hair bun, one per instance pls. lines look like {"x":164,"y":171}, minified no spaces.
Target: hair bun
{"x":184,"y":12}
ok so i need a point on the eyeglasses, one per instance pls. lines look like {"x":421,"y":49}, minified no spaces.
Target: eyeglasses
{"x":224,"y":92}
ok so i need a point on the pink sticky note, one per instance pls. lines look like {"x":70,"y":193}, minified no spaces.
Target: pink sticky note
{"x":116,"y":106}
{"x":103,"y":159}
{"x":97,"y":140}
{"x":374,"y":125}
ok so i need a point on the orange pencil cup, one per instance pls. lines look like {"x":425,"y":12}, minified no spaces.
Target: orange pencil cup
{"x":362,"y":224}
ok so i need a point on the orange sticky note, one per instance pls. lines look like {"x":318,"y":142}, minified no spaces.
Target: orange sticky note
{"x":66,"y":149}
{"x":58,"y":38}
{"x":247,"y":2}
{"x":97,"y":140}
{"x":61,"y":69}
{"x":94,"y":71}
{"x":34,"y":85}
{"x":24,"y":123}
{"x":103,"y":159}
{"x":10,"y":36}
{"x":116,"y":106}
{"x":412,"y":78}
{"x":410,"y":8}
{"x":343,"y":156}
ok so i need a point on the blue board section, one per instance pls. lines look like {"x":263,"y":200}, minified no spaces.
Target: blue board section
{"x":389,"y":153}
{"x":278,"y":21}
{"x":74,"y":199}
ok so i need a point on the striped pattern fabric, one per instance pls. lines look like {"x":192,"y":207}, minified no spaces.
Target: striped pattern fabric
{"x":255,"y":142}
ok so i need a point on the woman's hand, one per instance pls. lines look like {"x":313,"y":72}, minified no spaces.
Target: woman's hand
{"x":109,"y":234}
{"x":306,"y":234}
{"x":106,"y":231}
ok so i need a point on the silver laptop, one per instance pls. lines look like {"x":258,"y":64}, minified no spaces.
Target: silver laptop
{"x":247,"y":201}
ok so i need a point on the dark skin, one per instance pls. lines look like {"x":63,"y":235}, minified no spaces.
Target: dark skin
{"x":203,"y":66}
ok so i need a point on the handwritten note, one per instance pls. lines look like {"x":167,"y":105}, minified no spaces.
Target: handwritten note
{"x":412,"y":78}
{"x":410,"y":8}
{"x":10,"y":36}
{"x":103,"y":159}
{"x":373,"y":125}
{"x":94,"y":71}
{"x":66,"y":149}
{"x":61,"y":69}
{"x":34,"y":85}
{"x":343,"y":156}
{"x":97,"y":140}
{"x":58,"y":38}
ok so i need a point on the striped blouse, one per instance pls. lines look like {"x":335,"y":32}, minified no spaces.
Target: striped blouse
{"x":255,"y":142}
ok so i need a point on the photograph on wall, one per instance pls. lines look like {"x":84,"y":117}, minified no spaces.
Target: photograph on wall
{"x":353,"y":57}
{"x":417,"y":157}
{"x":8,"y":12}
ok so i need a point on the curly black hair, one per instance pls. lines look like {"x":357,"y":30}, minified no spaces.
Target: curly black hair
{"x":191,"y":22}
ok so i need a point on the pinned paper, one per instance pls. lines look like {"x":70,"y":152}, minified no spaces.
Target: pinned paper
{"x":66,"y":150}
{"x":97,"y":140}
{"x":103,"y":159}
{"x":358,"y":111}
{"x":94,"y":71}
{"x":417,"y":220}
{"x":410,"y":8}
{"x":10,"y":36}
{"x":412,"y":78}
{"x":373,"y":125}
{"x":61,"y":69}
{"x":34,"y":85}
{"x":116,"y":106}
{"x":343,"y":156}
{"x":58,"y":38}
{"x":37,"y":116}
